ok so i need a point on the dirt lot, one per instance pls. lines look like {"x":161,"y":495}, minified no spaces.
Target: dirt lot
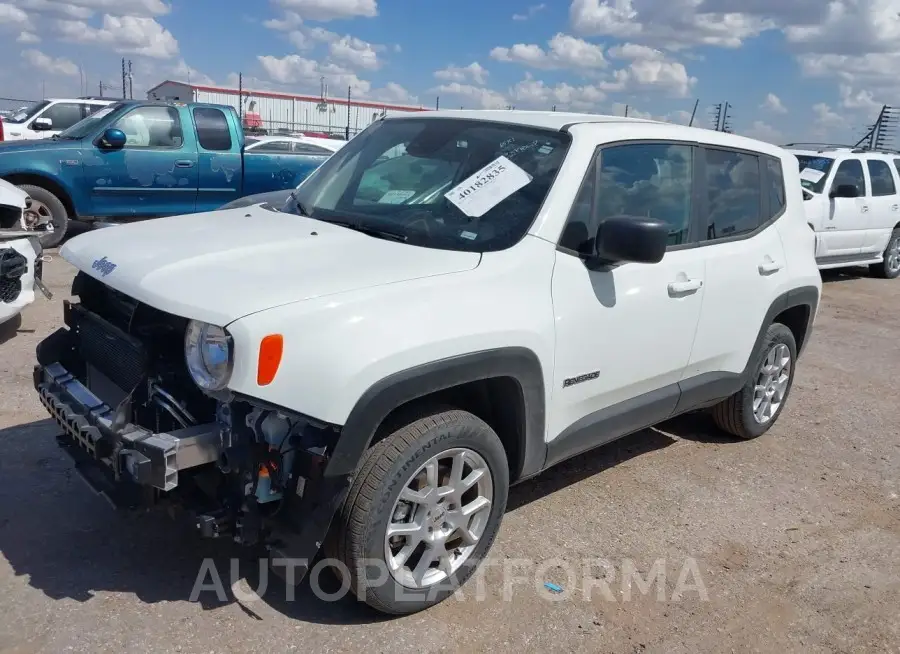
{"x":790,"y":543}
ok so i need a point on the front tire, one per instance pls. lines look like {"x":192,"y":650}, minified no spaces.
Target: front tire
{"x":889,"y":268}
{"x":753,"y":410}
{"x":423,"y":512}
{"x":48,"y":210}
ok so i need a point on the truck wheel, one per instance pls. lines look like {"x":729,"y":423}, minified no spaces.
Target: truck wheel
{"x":46,"y":214}
{"x":889,"y":268}
{"x":422,"y":512}
{"x":754,"y":409}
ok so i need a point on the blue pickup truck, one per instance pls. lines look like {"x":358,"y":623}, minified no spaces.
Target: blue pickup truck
{"x":135,"y":159}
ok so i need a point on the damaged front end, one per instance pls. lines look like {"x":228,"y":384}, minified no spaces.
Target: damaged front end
{"x":143,"y":434}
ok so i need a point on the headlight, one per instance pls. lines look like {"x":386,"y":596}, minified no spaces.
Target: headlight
{"x":207,"y":349}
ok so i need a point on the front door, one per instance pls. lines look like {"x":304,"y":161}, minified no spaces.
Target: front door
{"x":846,"y":219}
{"x":155,"y":174}
{"x":624,"y":335}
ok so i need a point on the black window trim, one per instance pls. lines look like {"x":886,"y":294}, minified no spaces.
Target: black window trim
{"x":157,"y":148}
{"x":230,"y":148}
{"x":695,"y":146}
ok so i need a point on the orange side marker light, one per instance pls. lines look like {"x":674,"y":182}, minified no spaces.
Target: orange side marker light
{"x":270,"y":350}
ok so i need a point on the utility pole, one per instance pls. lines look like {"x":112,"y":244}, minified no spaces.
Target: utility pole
{"x":437,"y":104}
{"x":626,"y":111}
{"x":124,"y":81}
{"x":349,"y":89}
{"x":694,"y":112}
{"x":130,"y":82}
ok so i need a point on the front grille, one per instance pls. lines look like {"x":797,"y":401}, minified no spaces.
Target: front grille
{"x":122,"y":358}
{"x":12,"y":266}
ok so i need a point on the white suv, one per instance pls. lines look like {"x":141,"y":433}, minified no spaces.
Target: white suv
{"x":852,"y":199}
{"x":44,"y":119}
{"x":452,"y":303}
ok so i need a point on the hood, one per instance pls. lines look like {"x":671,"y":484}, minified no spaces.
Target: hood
{"x":275,"y":198}
{"x":32,"y":145}
{"x":222,"y":265}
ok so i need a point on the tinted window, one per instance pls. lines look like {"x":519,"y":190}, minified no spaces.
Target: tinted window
{"x":308,"y":148}
{"x":775,"y":186}
{"x":273,"y":146}
{"x":63,"y":115}
{"x":643,"y":179}
{"x":734,"y":193}
{"x":810,"y":180}
{"x":882,"y":179}
{"x":151,"y":127}
{"x":850,"y":172}
{"x":212,"y":129}
{"x":88,"y":109}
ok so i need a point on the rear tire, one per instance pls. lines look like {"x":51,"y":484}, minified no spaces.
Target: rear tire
{"x":753,"y":410}
{"x":59,"y":217}
{"x":889,"y":268}
{"x":417,"y":460}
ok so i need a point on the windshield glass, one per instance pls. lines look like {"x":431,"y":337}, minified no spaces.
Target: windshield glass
{"x":814,"y":171}
{"x":26,"y":113}
{"x":444,"y":183}
{"x":86,"y":126}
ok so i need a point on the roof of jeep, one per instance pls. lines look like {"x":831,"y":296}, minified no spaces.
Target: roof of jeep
{"x":558,"y":120}
{"x":546,"y":119}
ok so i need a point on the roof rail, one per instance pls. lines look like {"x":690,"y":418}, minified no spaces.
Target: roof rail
{"x":95,"y":97}
{"x":820,"y":145}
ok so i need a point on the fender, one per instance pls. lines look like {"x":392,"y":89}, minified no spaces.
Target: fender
{"x":399,"y":388}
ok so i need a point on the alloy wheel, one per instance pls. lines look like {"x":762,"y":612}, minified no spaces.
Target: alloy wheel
{"x":772,"y":383}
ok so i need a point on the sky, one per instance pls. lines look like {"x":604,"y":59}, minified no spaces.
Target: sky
{"x":792,"y":70}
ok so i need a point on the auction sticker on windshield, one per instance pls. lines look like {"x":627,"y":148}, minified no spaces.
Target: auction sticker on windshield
{"x":811,"y":175}
{"x":481,"y":192}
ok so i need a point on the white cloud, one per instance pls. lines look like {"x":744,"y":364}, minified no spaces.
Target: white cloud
{"x":474,"y":71}
{"x":28,"y":37}
{"x":482,"y":97}
{"x":296,"y":70}
{"x":670,"y":23}
{"x":859,"y":99}
{"x":531,"y":12}
{"x":565,"y":51}
{"x":182,"y":71}
{"x":773,"y":103}
{"x":125,"y":34}
{"x":324,"y":10}
{"x":12,"y":15}
{"x":650,"y":69}
{"x":393,"y":92}
{"x":764,"y":132}
{"x":532,"y":93}
{"x":86,"y":8}
{"x":51,"y":65}
{"x":826,"y":119}
{"x":355,"y":52}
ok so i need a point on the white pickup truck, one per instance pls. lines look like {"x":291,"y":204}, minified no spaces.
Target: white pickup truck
{"x":451,"y":304}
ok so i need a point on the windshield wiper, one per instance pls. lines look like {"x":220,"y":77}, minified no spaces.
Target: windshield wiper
{"x":370,"y":231}
{"x":302,"y":209}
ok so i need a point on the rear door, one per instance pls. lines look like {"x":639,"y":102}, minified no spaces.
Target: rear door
{"x":746,"y":270}
{"x":218,"y":158}
{"x":884,"y":207}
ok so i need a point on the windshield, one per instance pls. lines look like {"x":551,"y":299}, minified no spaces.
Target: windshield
{"x":26,"y":113}
{"x":86,"y":126}
{"x":444,"y":183}
{"x":814,"y":171}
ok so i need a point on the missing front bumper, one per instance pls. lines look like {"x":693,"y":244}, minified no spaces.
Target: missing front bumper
{"x":129,"y":453}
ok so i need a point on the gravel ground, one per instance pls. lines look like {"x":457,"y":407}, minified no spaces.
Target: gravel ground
{"x":790,"y":543}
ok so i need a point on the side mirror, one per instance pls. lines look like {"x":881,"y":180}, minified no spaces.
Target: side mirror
{"x":636,"y":239}
{"x":844,"y":191}
{"x":113,"y":139}
{"x":42,"y":124}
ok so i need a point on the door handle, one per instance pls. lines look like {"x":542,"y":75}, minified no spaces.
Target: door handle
{"x":686,"y":286}
{"x":184,"y":163}
{"x":768,"y":267}
{"x":865,"y":208}
{"x":895,"y":207}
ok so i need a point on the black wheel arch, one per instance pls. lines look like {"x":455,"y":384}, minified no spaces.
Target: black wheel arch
{"x":519,"y":364}
{"x":797,"y":309}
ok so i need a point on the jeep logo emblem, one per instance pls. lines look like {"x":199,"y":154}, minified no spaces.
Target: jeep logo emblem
{"x":103,"y":266}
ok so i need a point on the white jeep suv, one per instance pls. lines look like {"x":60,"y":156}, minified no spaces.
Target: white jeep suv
{"x":46,"y":118}
{"x":452,"y":303}
{"x":852,"y":200}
